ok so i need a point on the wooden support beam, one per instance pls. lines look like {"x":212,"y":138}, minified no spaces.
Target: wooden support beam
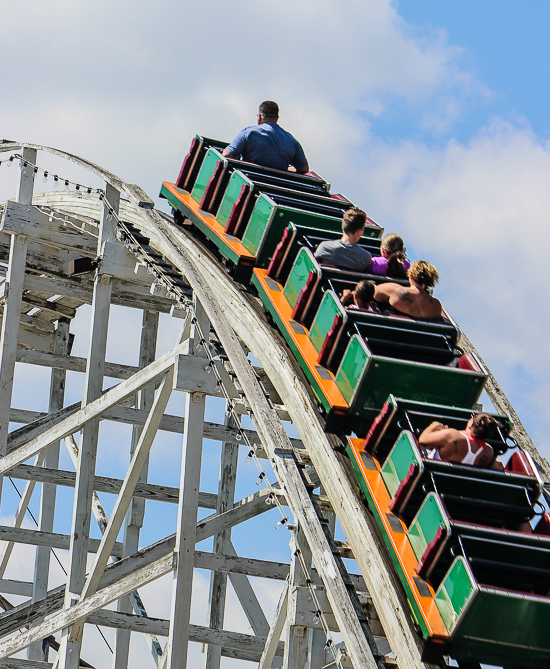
{"x":136,"y":512}
{"x":218,"y":580}
{"x":125,"y":496}
{"x":50,"y":539}
{"x":124,"y":293}
{"x":69,"y":653}
{"x":187,"y":534}
{"x":76,"y":421}
{"x":19,"y":219}
{"x":69,"y":616}
{"x":24,"y":614}
{"x":9,"y":332}
{"x":132,"y":416}
{"x":20,"y":514}
{"x":48,"y":492}
{"x":11,"y":587}
{"x":197,"y":633}
{"x":275,"y":631}
{"x":151,"y":491}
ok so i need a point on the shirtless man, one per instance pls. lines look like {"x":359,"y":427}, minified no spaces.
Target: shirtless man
{"x":415,"y":301}
{"x":466,"y":447}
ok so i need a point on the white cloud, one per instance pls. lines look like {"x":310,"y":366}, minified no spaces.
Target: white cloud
{"x":479,"y":211}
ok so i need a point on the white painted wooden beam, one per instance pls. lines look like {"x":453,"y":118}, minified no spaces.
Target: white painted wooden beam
{"x":197,"y":633}
{"x":9,"y":332}
{"x":136,"y":512}
{"x":102,"y":598}
{"x":186,"y":534}
{"x":126,"y":492}
{"x":50,"y":539}
{"x":75,"y":422}
{"x":12,"y":587}
{"x":151,"y":491}
{"x":20,"y":219}
{"x":275,"y":631}
{"x":218,"y":580}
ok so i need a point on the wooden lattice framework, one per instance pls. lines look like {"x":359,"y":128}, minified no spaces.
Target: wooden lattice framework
{"x":39,"y":235}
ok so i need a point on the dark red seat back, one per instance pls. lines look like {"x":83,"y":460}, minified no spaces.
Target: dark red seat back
{"x":279,"y":254}
{"x":187,"y":164}
{"x":303,"y":297}
{"x":210,"y":189}
{"x":468,"y":361}
{"x":330,"y":339}
{"x":376,"y":428}
{"x":237,"y":210}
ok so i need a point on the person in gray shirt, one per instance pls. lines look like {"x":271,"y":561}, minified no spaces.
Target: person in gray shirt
{"x":345,"y":253}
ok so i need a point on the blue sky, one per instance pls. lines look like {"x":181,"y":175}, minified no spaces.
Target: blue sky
{"x":432,"y":116}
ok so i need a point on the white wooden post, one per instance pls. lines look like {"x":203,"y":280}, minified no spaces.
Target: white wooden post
{"x":222,"y":542}
{"x":69,"y":653}
{"x":178,"y":638}
{"x":268,"y":655}
{"x":13,"y":291}
{"x":296,"y":645}
{"x":317,"y":655}
{"x":134,"y":519}
{"x":47,"y":501}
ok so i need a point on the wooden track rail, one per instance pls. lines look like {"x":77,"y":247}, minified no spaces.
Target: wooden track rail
{"x":238,"y":323}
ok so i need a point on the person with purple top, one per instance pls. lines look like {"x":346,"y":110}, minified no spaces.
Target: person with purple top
{"x":268,"y":144}
{"x":393,"y":260}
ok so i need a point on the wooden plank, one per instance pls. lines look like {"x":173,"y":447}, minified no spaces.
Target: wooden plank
{"x":126,"y":492}
{"x":18,"y":219}
{"x":69,"y":616}
{"x":73,"y":423}
{"x":151,"y":491}
{"x":50,"y":539}
{"x":187,"y":533}
{"x":197,"y":633}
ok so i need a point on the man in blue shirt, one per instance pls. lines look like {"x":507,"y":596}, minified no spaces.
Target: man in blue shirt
{"x":268,"y":144}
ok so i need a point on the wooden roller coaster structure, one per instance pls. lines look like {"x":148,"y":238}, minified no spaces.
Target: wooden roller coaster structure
{"x":171,"y":272}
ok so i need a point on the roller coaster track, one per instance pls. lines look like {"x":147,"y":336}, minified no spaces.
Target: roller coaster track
{"x":237,"y":319}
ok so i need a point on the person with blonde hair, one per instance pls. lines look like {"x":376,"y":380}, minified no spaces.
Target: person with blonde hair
{"x":415,"y":301}
{"x":393,"y":258}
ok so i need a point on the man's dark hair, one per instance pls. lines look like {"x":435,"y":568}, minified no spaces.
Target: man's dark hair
{"x":483,"y":425}
{"x":353,"y":221}
{"x":269,"y":109}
